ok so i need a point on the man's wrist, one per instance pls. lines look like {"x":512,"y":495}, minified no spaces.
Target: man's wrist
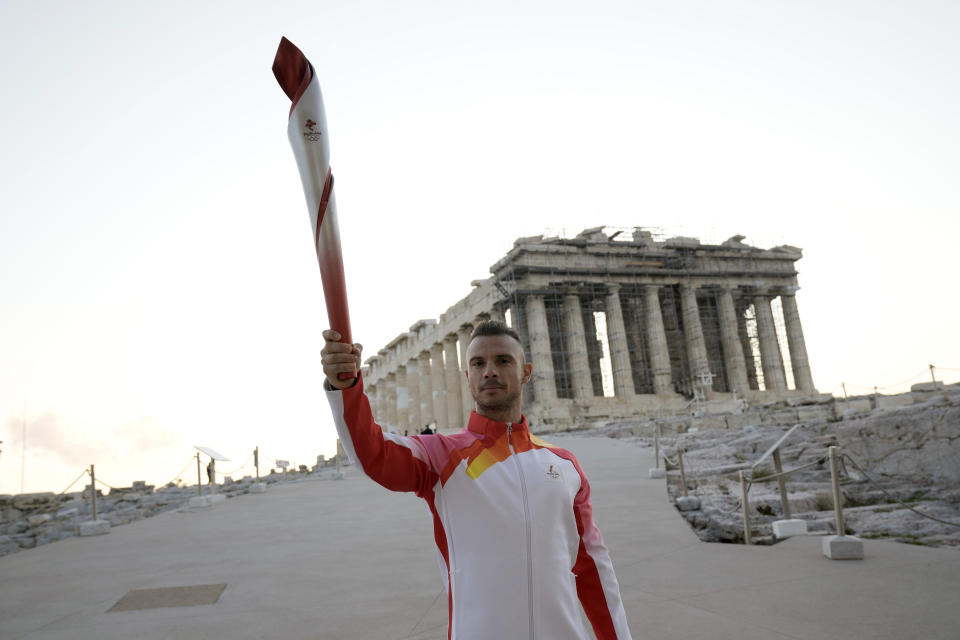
{"x":329,"y":387}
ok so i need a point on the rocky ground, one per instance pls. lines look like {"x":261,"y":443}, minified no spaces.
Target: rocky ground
{"x":32,"y":519}
{"x":908,"y":457}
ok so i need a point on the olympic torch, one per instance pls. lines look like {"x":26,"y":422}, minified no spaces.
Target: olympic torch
{"x":307,"y":132}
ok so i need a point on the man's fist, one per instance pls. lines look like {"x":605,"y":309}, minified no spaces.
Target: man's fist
{"x":337,"y":358}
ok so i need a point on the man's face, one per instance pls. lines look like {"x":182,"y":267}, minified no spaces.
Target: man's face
{"x":496,"y":373}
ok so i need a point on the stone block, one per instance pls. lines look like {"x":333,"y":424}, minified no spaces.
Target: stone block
{"x":811,"y":413}
{"x":68,"y":512}
{"x":258,"y":487}
{"x":849,"y":408}
{"x":787,"y":528}
{"x":842,"y":547}
{"x":688,"y":503}
{"x":893,"y":402}
{"x":657,"y":473}
{"x":927,"y":386}
{"x":200,"y":502}
{"x":38,"y":519}
{"x":31,"y":501}
{"x":94,"y":527}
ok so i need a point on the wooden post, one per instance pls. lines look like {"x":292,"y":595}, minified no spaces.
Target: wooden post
{"x":93,"y":492}
{"x":747,"y":538}
{"x":782,"y":481}
{"x":199,"y":480}
{"x":837,"y":495}
{"x":683,"y":476}
{"x":656,"y":447}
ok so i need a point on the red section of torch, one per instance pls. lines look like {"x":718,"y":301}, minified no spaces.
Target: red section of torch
{"x":292,"y":70}
{"x":330,"y":258}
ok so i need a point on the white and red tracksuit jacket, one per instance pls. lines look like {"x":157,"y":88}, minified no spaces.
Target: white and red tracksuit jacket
{"x":512,"y":521}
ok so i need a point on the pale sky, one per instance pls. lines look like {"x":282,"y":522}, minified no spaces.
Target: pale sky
{"x":158,"y":284}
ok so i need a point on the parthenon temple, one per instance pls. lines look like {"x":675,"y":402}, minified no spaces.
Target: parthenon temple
{"x":617,"y":323}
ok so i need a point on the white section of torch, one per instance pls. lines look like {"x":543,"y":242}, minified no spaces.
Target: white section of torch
{"x":313,"y":157}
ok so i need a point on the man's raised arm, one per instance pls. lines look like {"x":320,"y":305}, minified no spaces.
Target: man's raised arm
{"x":399,"y":463}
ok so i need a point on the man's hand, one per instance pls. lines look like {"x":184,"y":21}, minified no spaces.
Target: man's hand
{"x":338,"y":357}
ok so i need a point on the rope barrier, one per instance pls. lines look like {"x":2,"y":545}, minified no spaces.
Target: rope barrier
{"x":106,"y":484}
{"x":889,"y":386}
{"x":788,"y":471}
{"x":177,"y":477}
{"x":230,"y":473}
{"x":28,"y":512}
{"x":737,"y":507}
{"x":82,"y":473}
{"x":898,"y":501}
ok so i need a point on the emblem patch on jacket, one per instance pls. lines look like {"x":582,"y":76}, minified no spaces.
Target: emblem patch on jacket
{"x":553,"y":471}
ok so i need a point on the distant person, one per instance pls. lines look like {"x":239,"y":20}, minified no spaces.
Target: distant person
{"x":512,"y":515}
{"x":426,"y":430}
{"x":210,"y":471}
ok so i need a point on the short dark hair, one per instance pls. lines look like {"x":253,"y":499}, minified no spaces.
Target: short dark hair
{"x":494,"y":328}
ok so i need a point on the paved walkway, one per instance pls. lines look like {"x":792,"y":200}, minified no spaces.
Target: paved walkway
{"x":346,"y":560}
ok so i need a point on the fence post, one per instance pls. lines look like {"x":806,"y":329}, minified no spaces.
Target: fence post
{"x":93,"y":492}
{"x":782,"y":482}
{"x":683,"y":476}
{"x":837,"y":494}
{"x":747,"y":538}
{"x":840,"y":546}
{"x":656,"y":447}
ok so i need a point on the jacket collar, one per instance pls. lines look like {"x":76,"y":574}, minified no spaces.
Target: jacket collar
{"x":487,"y":427}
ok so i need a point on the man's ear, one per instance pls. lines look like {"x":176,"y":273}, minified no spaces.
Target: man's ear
{"x":527,"y":371}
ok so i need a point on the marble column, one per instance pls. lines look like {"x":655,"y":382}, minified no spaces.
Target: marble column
{"x":403,"y":399}
{"x":575,"y":344}
{"x":466,"y":398}
{"x":770,"y":358}
{"x":657,"y":341}
{"x":639,"y":361}
{"x":414,"y":423}
{"x":426,"y":390}
{"x":802,"y":378}
{"x":733,"y":358}
{"x":541,"y":357}
{"x":438,"y":385}
{"x":619,"y":350}
{"x":695,"y":343}
{"x":496,"y":314}
{"x":742,"y":304}
{"x":451,"y":370}
{"x":390,"y":399}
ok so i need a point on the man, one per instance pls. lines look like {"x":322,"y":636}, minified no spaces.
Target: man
{"x":511,"y":513}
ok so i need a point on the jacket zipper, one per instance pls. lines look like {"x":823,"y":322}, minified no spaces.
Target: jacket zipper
{"x":527,"y":525}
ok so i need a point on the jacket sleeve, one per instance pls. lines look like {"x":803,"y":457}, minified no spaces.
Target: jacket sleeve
{"x":597,"y":585}
{"x":398,"y":463}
